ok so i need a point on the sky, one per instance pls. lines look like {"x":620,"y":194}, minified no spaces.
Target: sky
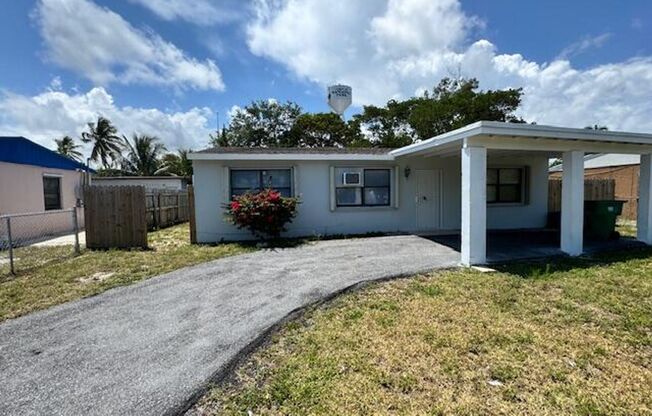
{"x":177,"y":68}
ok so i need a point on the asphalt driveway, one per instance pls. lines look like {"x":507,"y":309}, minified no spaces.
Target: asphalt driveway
{"x":151,"y":348}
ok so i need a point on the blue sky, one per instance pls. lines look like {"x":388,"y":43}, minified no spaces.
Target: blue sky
{"x":167,"y":67}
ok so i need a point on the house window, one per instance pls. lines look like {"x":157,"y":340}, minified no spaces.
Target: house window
{"x":373,"y":190}
{"x":505,"y":185}
{"x":255,"y":180}
{"x":52,"y":192}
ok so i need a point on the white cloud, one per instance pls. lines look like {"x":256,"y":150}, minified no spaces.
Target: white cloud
{"x":200,"y":12}
{"x":390,"y":50}
{"x":53,"y":114}
{"x":586,"y":43}
{"x":103,"y":47}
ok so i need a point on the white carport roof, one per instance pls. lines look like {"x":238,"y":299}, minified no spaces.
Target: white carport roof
{"x":530,"y":137}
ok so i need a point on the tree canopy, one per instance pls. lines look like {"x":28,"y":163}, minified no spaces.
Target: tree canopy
{"x":263,"y":123}
{"x":449,"y":105}
{"x":66,"y":146}
{"x":143,"y":155}
{"x":176,"y":163}
{"x":106,"y":144}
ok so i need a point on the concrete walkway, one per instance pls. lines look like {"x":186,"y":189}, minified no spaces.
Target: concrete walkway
{"x":151,"y":348}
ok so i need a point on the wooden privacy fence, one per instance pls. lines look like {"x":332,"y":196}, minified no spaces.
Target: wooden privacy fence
{"x":594,"y":189}
{"x":120,"y":216}
{"x":166,"y":208}
{"x":115,"y":216}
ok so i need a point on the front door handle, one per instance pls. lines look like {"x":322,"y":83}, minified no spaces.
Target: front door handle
{"x":425,"y":198}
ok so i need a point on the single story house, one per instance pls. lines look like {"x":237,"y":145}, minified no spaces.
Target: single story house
{"x":485,"y":176}
{"x":35,"y":179}
{"x":151,"y":183}
{"x":623,"y":169}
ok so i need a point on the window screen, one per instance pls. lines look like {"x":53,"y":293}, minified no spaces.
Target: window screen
{"x":255,"y":180}
{"x":52,"y":192}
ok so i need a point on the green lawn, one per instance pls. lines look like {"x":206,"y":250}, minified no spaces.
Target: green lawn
{"x":52,"y":275}
{"x":568,"y":337}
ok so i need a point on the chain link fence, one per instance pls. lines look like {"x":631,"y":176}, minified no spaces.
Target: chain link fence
{"x":36,"y":239}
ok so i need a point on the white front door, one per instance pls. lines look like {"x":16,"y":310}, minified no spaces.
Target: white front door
{"x":427,"y":199}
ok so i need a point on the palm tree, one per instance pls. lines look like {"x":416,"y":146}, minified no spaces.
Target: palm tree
{"x":143,"y":155}
{"x":177,"y":164}
{"x":66,"y":146}
{"x":107,"y":145}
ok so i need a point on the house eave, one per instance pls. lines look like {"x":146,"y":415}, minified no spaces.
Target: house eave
{"x":289,"y":157}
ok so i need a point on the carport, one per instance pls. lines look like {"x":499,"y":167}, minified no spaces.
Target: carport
{"x":474,"y":143}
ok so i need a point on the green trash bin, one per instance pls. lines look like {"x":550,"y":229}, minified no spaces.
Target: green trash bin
{"x":600,"y":219}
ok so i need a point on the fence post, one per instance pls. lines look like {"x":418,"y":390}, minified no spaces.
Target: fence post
{"x":11,"y":247}
{"x":159,"y":210}
{"x":75,"y":224}
{"x":191,"y":214}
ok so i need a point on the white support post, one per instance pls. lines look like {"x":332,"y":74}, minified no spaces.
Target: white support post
{"x":572,"y":203}
{"x":644,"y":221}
{"x":474,"y":205}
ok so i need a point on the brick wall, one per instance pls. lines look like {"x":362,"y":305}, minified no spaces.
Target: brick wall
{"x":626,"y":178}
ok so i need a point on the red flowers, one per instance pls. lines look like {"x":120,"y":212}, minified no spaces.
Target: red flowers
{"x":264,"y":213}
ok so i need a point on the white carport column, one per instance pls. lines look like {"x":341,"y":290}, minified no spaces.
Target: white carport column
{"x":572,"y":203}
{"x":474,"y":205}
{"x":644,"y":223}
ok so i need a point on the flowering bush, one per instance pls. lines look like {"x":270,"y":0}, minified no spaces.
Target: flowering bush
{"x":265,"y":213}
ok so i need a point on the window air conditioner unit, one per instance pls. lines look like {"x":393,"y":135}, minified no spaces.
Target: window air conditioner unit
{"x":351,"y":178}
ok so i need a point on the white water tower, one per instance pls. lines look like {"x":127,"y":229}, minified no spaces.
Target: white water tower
{"x":339,"y":98}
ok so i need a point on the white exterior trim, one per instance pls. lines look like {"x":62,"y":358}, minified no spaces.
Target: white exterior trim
{"x":518,"y":131}
{"x":572,"y":203}
{"x":644,"y":222}
{"x":289,"y":156}
{"x":474,"y":206}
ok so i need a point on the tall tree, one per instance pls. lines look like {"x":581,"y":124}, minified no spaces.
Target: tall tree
{"x":176,"y":163}
{"x":450,"y":105}
{"x":323,"y":130}
{"x":263,"y":123}
{"x":218,"y":139}
{"x":66,"y":146}
{"x":143,"y":155}
{"x":106,"y":143}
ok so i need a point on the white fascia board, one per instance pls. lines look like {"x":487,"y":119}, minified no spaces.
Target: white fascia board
{"x":526,"y":131}
{"x":451,"y":136}
{"x":561,"y":133}
{"x":289,"y":156}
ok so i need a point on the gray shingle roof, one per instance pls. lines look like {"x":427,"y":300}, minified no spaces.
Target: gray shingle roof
{"x":300,"y":150}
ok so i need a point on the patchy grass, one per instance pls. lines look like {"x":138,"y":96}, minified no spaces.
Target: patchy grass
{"x":51,"y":275}
{"x":569,"y":337}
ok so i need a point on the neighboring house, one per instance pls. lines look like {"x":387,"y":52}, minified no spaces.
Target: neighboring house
{"x":622,"y":168}
{"x":487,"y":175}
{"x":36,"y":179}
{"x":151,"y":183}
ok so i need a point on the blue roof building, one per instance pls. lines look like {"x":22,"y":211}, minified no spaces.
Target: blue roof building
{"x":23,"y":151}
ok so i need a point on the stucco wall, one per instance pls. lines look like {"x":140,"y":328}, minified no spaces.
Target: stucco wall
{"x":21,"y":191}
{"x":313,"y":186}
